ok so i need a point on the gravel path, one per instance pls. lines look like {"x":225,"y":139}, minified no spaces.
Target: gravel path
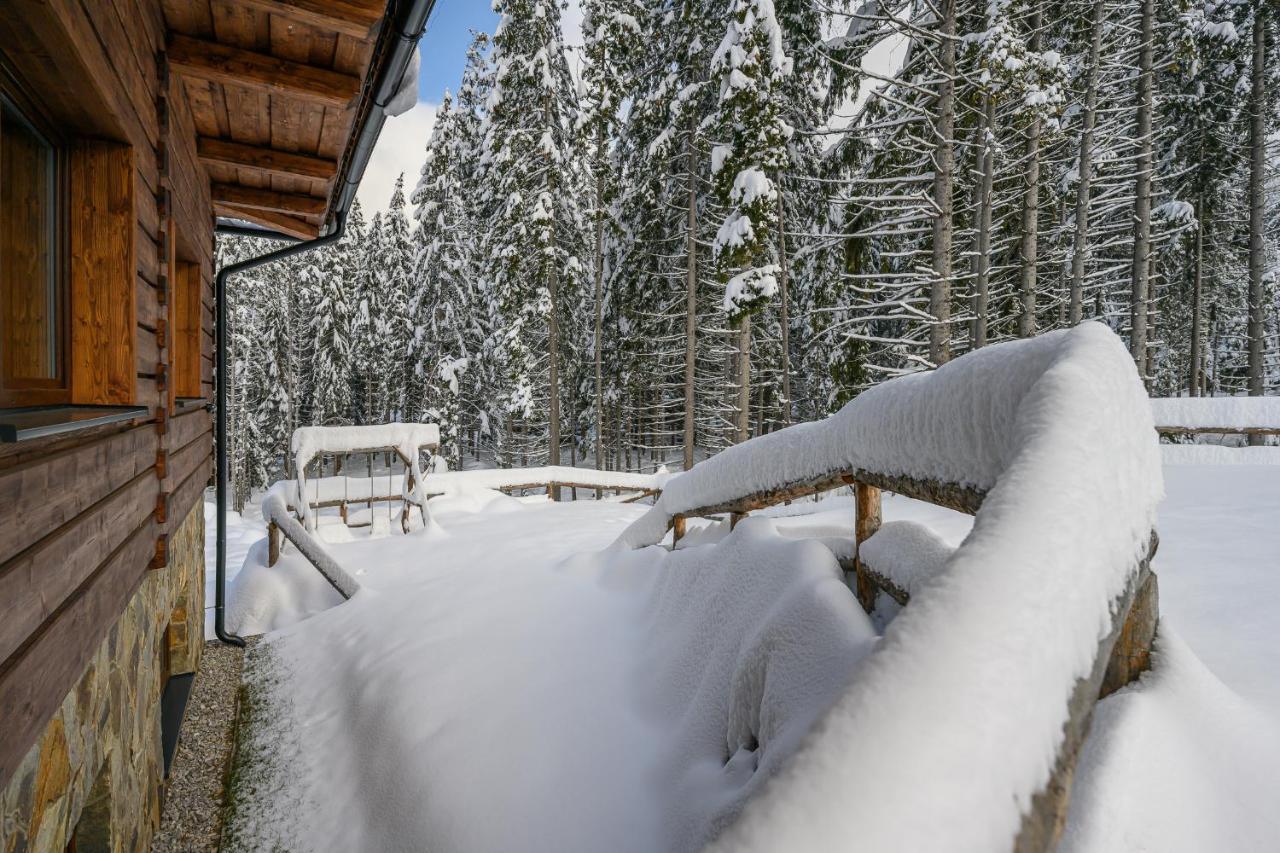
{"x":192,"y":818}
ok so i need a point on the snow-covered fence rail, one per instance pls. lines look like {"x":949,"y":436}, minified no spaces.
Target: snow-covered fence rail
{"x":993,"y":669}
{"x":280,"y":522}
{"x":1216,"y":415}
{"x":345,"y":489}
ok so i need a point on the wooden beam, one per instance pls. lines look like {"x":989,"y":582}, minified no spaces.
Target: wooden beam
{"x":232,"y":66}
{"x":262,"y":199}
{"x":264,"y":160}
{"x":349,"y":17}
{"x":290,"y":225}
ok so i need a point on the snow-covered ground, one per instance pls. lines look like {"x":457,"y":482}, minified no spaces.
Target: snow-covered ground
{"x":501,"y":684}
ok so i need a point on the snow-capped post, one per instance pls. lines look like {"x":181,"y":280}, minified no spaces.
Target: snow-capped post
{"x":751,"y":66}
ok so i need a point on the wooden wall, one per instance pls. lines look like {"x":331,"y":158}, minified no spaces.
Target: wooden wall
{"x":86,"y":515}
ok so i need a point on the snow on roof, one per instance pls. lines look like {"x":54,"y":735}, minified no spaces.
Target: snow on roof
{"x":1210,"y":412}
{"x":959,"y":712}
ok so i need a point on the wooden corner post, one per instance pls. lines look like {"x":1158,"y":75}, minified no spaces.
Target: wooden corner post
{"x":867,"y":499}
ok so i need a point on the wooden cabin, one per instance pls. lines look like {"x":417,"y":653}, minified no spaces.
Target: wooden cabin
{"x":129,"y":130}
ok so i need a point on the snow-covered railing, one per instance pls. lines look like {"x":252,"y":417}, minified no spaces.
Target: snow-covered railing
{"x":961,"y":730}
{"x":1216,"y":415}
{"x":342,"y":490}
{"x":280,"y":522}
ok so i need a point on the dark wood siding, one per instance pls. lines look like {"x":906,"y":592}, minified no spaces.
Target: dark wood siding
{"x":83,"y":517}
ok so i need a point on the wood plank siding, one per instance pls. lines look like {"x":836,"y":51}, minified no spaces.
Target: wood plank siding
{"x":170,"y":113}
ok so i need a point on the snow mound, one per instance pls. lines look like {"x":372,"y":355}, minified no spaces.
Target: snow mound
{"x":1177,"y":763}
{"x":907,"y":554}
{"x":1210,"y":412}
{"x":752,"y":639}
{"x":500,"y":697}
{"x":262,"y":598}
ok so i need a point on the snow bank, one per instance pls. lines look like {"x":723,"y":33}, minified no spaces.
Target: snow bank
{"x":262,"y":598}
{"x":1176,"y":763}
{"x":954,"y":722}
{"x":1209,"y":412}
{"x":490,"y":695}
{"x":750,"y":641}
{"x":1212,"y":454}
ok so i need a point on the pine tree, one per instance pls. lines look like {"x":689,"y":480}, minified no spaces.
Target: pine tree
{"x":533,"y":242}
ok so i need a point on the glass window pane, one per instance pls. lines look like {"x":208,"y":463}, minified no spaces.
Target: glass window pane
{"x":28,"y":275}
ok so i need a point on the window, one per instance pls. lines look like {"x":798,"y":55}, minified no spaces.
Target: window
{"x":32,"y":303}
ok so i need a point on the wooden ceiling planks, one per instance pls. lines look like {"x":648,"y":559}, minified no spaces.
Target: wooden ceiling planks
{"x":268,"y":79}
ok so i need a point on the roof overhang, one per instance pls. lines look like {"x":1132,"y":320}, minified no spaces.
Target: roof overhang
{"x":288,"y":98}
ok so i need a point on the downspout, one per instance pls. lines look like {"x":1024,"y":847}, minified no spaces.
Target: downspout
{"x":408,"y":24}
{"x":220,"y":426}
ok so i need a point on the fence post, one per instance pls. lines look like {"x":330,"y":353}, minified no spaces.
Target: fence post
{"x":867,"y":499}
{"x":273,"y":543}
{"x":677,"y":530}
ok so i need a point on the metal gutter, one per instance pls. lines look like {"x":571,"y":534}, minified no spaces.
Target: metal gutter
{"x":410,"y":22}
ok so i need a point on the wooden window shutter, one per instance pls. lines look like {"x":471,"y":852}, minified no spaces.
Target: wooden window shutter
{"x":186,"y":345}
{"x":103,"y":273}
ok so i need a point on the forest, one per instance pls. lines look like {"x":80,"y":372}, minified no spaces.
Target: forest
{"x":719,"y":217}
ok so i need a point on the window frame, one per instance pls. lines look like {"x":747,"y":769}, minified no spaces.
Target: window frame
{"x":16,"y":393}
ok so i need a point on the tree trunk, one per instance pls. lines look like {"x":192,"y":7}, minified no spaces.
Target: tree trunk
{"x":691,"y":301}
{"x":982,"y":253}
{"x":1142,"y":196}
{"x":1257,"y":171}
{"x":1080,"y":247}
{"x":783,"y":285}
{"x":944,"y":166}
{"x":1031,"y":209}
{"x":599,"y":312}
{"x":1197,"y":301}
{"x":743,"y":431}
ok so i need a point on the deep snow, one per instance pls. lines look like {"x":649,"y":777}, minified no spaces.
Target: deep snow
{"x":452,"y":720}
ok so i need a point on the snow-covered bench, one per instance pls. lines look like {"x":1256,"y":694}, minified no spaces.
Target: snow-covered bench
{"x":974,"y":705}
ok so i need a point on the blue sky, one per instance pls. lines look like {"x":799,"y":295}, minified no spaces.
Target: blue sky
{"x":443,"y":50}
{"x":444,"y":47}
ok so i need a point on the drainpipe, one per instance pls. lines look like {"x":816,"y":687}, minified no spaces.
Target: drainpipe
{"x":408,"y":22}
{"x":220,"y":426}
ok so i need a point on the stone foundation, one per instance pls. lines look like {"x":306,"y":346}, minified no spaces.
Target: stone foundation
{"x":97,"y":770}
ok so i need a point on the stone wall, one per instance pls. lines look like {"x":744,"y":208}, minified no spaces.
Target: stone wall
{"x":98,"y":763}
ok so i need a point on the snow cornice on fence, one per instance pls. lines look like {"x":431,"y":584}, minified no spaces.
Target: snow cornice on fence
{"x":960,"y":731}
{"x":1225,"y":415}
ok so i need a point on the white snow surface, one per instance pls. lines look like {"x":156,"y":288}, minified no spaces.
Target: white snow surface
{"x":1212,"y":454}
{"x":622,"y":701}
{"x":485,"y":693}
{"x":406,"y":438}
{"x":907,"y":553}
{"x":1209,"y":412}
